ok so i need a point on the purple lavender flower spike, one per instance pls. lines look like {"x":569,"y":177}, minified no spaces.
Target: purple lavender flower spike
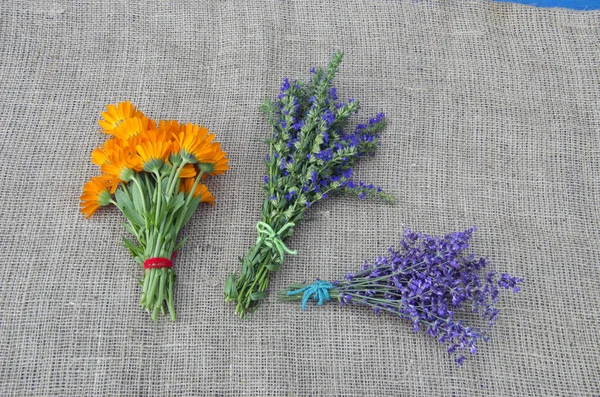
{"x":430,"y":281}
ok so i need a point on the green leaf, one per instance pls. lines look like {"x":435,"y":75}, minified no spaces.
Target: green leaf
{"x":258,"y":295}
{"x":128,"y":208}
{"x":133,"y":248}
{"x":256,"y":260}
{"x":180,"y":244}
{"x":282,"y":203}
{"x":267,"y":106}
{"x":273,"y":266}
{"x":130,"y":229}
{"x":189,"y":211}
{"x":289,"y":213}
{"x":247,"y":269}
{"x":138,"y":202}
{"x":231,"y":291}
{"x":177,"y":202}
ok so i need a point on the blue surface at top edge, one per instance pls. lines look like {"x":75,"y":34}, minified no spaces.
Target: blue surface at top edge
{"x":572,"y":4}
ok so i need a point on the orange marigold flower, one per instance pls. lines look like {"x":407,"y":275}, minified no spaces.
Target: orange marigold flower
{"x":133,"y":142}
{"x":220,"y":162}
{"x":116,"y":114}
{"x":188,"y":171}
{"x":194,"y":143}
{"x":100,"y":155}
{"x":154,"y":149}
{"x":122,"y":163}
{"x":111,"y":181}
{"x":170,"y":126}
{"x":96,"y":194}
{"x":133,"y":127}
{"x":206,"y":196}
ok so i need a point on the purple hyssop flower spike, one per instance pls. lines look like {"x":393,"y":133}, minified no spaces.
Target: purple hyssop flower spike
{"x":328,"y":117}
{"x":286,"y":85}
{"x":311,"y":156}
{"x":298,"y":125}
{"x":333,"y":93}
{"x":290,"y":195}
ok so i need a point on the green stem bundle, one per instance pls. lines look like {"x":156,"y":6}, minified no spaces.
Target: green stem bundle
{"x":156,"y":213}
{"x":262,"y":260}
{"x":311,"y":154}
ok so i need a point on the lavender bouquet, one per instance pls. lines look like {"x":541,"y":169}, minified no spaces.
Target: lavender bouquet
{"x":427,"y":280}
{"x":310,"y":156}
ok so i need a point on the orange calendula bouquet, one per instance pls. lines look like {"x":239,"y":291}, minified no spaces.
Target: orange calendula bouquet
{"x":153,"y":173}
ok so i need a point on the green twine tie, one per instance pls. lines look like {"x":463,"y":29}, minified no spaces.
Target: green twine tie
{"x":272,"y":239}
{"x":319,"y":290}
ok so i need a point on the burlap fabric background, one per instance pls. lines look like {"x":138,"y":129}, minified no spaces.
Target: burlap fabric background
{"x":494,"y":120}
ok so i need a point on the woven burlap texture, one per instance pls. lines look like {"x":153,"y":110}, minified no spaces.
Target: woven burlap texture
{"x":494,"y":120}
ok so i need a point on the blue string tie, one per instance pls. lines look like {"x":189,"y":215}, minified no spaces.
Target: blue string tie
{"x":319,"y":290}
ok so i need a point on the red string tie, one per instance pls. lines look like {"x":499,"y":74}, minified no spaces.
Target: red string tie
{"x":159,"y":263}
